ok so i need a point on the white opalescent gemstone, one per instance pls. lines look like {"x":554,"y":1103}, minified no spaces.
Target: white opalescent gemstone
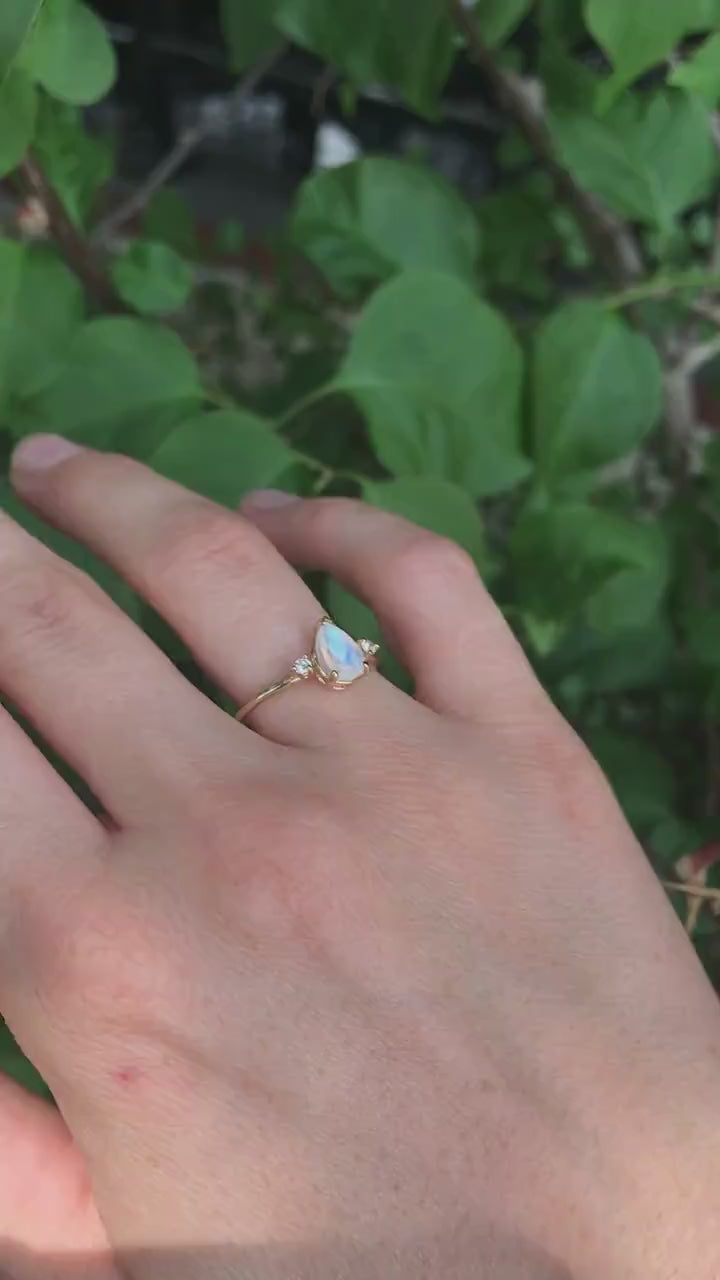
{"x":336,"y":651}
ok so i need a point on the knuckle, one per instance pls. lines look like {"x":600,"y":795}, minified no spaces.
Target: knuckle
{"x":272,"y":883}
{"x":564,"y":774}
{"x":105,"y":962}
{"x":38,"y":601}
{"x":203,"y":537}
{"x":426,"y":557}
{"x":322,"y":517}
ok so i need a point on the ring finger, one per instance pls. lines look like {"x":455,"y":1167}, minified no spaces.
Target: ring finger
{"x":233,"y":598}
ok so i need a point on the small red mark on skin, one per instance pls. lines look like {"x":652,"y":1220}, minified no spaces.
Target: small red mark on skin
{"x":127,"y":1075}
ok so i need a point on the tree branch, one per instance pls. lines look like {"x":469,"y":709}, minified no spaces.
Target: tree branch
{"x":187,"y":142}
{"x":608,"y":240}
{"x":699,"y":354}
{"x":76,"y":250}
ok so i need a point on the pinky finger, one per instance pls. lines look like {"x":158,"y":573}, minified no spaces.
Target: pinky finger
{"x":424,"y":589}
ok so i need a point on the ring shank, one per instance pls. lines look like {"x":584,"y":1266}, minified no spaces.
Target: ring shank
{"x":291,"y":678}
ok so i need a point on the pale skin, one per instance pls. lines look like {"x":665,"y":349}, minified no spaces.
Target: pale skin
{"x":371,"y":987}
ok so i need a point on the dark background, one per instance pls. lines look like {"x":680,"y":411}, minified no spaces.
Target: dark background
{"x":173,"y":64}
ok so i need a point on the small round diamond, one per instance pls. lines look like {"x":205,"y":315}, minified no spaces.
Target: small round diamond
{"x":303,"y":666}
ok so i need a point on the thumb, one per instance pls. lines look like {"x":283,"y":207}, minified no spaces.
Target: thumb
{"x":46,"y":1202}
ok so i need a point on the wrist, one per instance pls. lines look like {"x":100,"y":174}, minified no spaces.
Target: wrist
{"x":661,"y":1186}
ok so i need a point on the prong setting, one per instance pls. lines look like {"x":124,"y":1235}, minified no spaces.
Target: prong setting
{"x":369,"y":648}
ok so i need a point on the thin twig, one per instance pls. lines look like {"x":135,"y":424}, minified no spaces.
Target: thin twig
{"x":321,"y":89}
{"x":189,"y":140}
{"x":657,"y":288}
{"x":683,"y":357}
{"x":73,"y":246}
{"x":699,"y":354}
{"x":607,"y":238}
{"x":696,"y":895}
{"x":705,"y":310}
{"x":693,"y":890}
{"x":693,"y":915}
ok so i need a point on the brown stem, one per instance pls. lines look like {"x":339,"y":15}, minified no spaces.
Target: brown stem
{"x":607,"y":239}
{"x":72,"y":245}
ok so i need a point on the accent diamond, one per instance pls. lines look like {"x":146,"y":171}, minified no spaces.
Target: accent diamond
{"x":369,"y":648}
{"x":303,"y":666}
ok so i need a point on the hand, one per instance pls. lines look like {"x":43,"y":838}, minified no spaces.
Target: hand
{"x":377,"y":988}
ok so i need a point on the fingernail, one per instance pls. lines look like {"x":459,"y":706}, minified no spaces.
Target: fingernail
{"x":42,"y":452}
{"x":266,"y":499}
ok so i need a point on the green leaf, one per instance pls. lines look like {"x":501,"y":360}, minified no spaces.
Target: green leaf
{"x":438,"y":375}
{"x":674,"y":838}
{"x":11,"y":268}
{"x":139,"y":434}
{"x":70,"y":53}
{"x":597,"y":388}
{"x":648,"y":160}
{"x":518,"y":238}
{"x":434,"y":504}
{"x":18,"y":110}
{"x":170,"y":219}
{"x":700,"y":73}
{"x":49,"y":310}
{"x":637,"y":34}
{"x":230,"y":237}
{"x":703,"y":14}
{"x":408,"y":44}
{"x":41,"y":308}
{"x":224,"y":454}
{"x":703,"y":639}
{"x":117,"y":370}
{"x":367,"y":220}
{"x":14,"y":1064}
{"x":249,"y":30}
{"x":630,"y":598}
{"x":711,"y":460}
{"x":570,"y":84}
{"x":152,"y":277}
{"x":643,"y":782}
{"x":498,"y":19}
{"x":573,"y":560}
{"x":633,"y":658}
{"x":76,"y":163}
{"x":17,"y":20}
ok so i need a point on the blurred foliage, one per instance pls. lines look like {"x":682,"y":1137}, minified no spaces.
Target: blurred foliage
{"x":476,"y":367}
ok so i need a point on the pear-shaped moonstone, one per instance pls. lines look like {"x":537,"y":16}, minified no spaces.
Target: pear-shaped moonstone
{"x":336,"y":651}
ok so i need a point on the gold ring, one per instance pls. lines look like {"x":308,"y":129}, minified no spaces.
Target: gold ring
{"x":337,"y":661}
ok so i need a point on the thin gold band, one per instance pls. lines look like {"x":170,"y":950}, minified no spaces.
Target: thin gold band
{"x":291,"y":678}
